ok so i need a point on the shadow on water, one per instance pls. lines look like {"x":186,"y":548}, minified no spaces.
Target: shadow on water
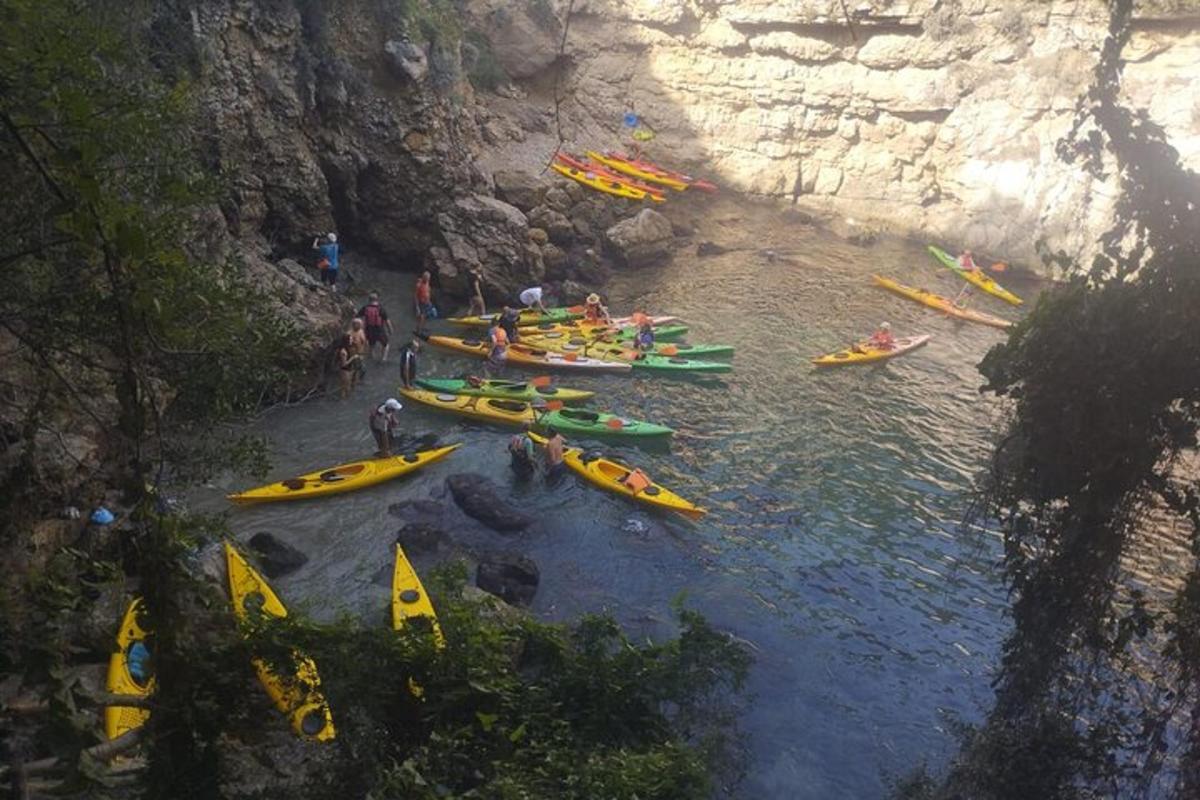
{"x":832,"y":544}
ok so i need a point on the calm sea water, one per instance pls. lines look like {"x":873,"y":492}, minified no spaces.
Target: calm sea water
{"x":832,"y":547}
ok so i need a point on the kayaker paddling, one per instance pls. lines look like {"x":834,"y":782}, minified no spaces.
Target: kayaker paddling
{"x":967,"y":262}
{"x":881,"y":339}
{"x":383,"y":421}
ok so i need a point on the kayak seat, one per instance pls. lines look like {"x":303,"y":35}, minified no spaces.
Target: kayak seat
{"x":514,"y":406}
{"x":678,"y":361}
{"x":313,"y":722}
{"x":253,"y":603}
{"x":472,"y":342}
{"x":446,"y":398}
{"x":651,"y":490}
{"x":410,"y":596}
{"x":294,"y":484}
{"x":590,"y":456}
{"x":329,"y":476}
{"x":547,"y":390}
{"x":582,"y":416}
{"x":411,"y":458}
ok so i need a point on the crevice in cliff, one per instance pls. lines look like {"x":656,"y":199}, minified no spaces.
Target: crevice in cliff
{"x":829,"y":32}
{"x":1177,"y":25}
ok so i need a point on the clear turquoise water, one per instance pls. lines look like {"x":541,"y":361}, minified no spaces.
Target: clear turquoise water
{"x":833,"y":546}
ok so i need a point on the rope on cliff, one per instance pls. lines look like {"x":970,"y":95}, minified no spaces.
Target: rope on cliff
{"x":849,"y":22}
{"x":558,"y":60}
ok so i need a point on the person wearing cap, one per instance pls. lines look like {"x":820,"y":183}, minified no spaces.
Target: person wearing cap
{"x":967,"y":262}
{"x":594,"y":311}
{"x":408,"y":363}
{"x":532,"y":298}
{"x":882,"y":338}
{"x":328,"y":263}
{"x":475,"y":289}
{"x":383,"y":421}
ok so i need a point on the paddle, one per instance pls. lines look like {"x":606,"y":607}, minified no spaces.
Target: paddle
{"x":548,"y":405}
{"x":668,"y":350}
{"x":541,"y":381}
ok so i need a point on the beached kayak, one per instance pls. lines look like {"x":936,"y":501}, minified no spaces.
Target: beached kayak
{"x":504,"y":390}
{"x":665,"y":333}
{"x":640,"y":361}
{"x":528,"y":316}
{"x":577,"y":342}
{"x":410,"y":600}
{"x":296,"y":693}
{"x":627,"y":166}
{"x":520,"y":355}
{"x":343,"y":478}
{"x":602,"y":171}
{"x":121,"y":680}
{"x":516,"y":412}
{"x":943,"y":304}
{"x":601,"y":183}
{"x":976,"y":277}
{"x":866,"y":352}
{"x":614,"y":476}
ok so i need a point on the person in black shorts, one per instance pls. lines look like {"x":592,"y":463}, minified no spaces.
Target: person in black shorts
{"x":408,"y":363}
{"x":377,"y":324}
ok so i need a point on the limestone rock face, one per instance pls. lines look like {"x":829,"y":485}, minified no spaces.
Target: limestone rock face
{"x":642,"y":239}
{"x":481,"y":231}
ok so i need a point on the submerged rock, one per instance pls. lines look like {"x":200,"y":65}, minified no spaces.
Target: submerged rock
{"x":275,"y":557}
{"x":476,"y":496}
{"x":420,"y":537}
{"x":642,"y":239}
{"x":512,"y":578}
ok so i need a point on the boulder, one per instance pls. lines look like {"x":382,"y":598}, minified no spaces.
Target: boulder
{"x":417,"y":510}
{"x":555,"y":259}
{"x":538,"y":236}
{"x":519,"y":188}
{"x":642,"y":239}
{"x":483,"y":232}
{"x":406,"y":61}
{"x":476,"y":495}
{"x":512,"y":578}
{"x":275,"y":557}
{"x":420,"y":537}
{"x":523,"y":42}
{"x":557,"y":198}
{"x":554,"y":223}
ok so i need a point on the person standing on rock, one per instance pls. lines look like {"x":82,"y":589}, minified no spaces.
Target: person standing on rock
{"x":423,"y":301}
{"x":532,"y":298}
{"x":383,"y":421}
{"x":328,"y":263}
{"x":408,"y":364}
{"x":475,"y":288}
{"x":378,"y":326}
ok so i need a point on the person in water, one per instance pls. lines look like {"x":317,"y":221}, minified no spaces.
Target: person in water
{"x":328,"y":262}
{"x":510,"y":320}
{"x":378,"y":326}
{"x":423,"y":301}
{"x":532,"y":298}
{"x":520,"y":452}
{"x":967,"y":262}
{"x":554,"y":453}
{"x":882,"y":338}
{"x":594,"y":310}
{"x":349,"y":364}
{"x":358,"y":337}
{"x":383,"y":421}
{"x":498,"y":348}
{"x":408,"y":363}
{"x":475,"y":289}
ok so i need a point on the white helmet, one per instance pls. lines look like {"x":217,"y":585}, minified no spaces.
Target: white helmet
{"x":332,"y":237}
{"x":885,"y":326}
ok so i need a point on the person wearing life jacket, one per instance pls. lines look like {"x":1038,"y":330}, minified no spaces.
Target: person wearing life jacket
{"x":408,"y":363}
{"x":383,"y":421}
{"x":532,"y":298}
{"x":967,"y":262}
{"x":644,"y":341}
{"x":882,"y":338}
{"x":594,"y":311}
{"x":520,"y":452}
{"x":423,"y":301}
{"x":327,"y":263}
{"x":377,"y":325}
{"x":498,"y":342}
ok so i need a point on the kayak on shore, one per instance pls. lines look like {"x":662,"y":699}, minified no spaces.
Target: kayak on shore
{"x":126,"y":676}
{"x":527,"y":316}
{"x":600,"y":183}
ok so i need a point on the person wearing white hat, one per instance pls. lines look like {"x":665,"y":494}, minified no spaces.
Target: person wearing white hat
{"x":594,"y":310}
{"x":882,"y":338}
{"x":328,"y":262}
{"x":967,"y":261}
{"x":383,"y":421}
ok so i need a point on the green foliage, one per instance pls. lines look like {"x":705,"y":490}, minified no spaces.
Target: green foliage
{"x":483,"y":70}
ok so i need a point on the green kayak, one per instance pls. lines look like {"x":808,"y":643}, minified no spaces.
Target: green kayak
{"x":676,"y":364}
{"x":527,"y":316}
{"x":576,"y":422}
{"x":598,"y":349}
{"x":976,"y":277}
{"x":506,"y":390}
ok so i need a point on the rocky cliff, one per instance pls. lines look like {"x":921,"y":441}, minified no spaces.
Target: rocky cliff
{"x":937,"y":117}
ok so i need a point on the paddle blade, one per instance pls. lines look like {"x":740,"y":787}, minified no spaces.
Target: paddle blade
{"x":615,"y":423}
{"x":669,"y":350}
{"x":540,"y":381}
{"x":553,"y":405}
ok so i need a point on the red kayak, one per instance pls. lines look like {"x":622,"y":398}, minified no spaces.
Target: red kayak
{"x":604,"y":172}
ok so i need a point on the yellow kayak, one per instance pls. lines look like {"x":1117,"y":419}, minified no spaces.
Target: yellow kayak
{"x":620,"y":165}
{"x":409,"y":598}
{"x":604,"y":184}
{"x":297,"y":695}
{"x":122,"y":719}
{"x":343,"y":478}
{"x":975,"y":277}
{"x":487,"y":409}
{"x":866,"y":352}
{"x":943,"y":304}
{"x":526,"y":316}
{"x":523,"y":356}
{"x":612,"y":476}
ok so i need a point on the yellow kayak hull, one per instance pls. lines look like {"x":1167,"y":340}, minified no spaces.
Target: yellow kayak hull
{"x":530,"y":357}
{"x":601,"y":183}
{"x":342,"y":478}
{"x":409,"y":598}
{"x":297,"y":695}
{"x":943,"y":304}
{"x":866,"y":353}
{"x":633,"y":172}
{"x":485,"y":409}
{"x":119,"y":720}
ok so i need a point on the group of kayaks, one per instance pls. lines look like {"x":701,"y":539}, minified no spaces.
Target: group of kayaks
{"x":868,"y":352}
{"x":293,"y":686}
{"x":625,"y":176}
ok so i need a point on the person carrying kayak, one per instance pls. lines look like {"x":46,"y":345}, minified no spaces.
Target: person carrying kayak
{"x":423,"y":301}
{"x":594,"y":311}
{"x":475,"y":289}
{"x":408,"y":363}
{"x":328,"y":262}
{"x":967,"y":262}
{"x":882,"y":338}
{"x":554,"y":454}
{"x":378,"y":326}
{"x":532,"y":298}
{"x":383,"y":421}
{"x":520,"y":451}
